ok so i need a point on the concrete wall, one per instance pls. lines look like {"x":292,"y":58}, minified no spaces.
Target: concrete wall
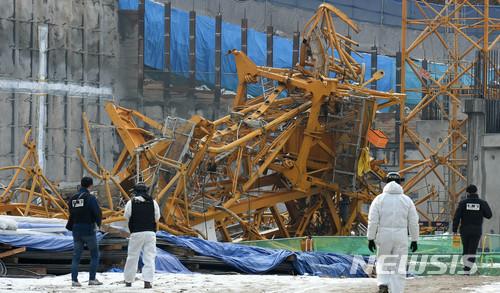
{"x":82,"y":67}
{"x":482,"y":162}
{"x":489,"y":189}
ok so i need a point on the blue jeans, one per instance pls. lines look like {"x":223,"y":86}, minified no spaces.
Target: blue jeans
{"x":78,"y":242}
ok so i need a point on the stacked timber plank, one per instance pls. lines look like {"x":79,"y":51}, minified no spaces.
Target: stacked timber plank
{"x":113,"y":254}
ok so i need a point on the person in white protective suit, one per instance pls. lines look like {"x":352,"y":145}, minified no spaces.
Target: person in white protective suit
{"x":142,"y":213}
{"x":393,"y":213}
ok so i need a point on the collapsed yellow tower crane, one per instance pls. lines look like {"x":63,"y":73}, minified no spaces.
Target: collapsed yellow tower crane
{"x":287,"y":163}
{"x":291,"y":162}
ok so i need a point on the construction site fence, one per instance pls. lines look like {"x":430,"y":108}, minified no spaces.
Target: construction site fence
{"x":354,"y":245}
{"x":435,"y":254}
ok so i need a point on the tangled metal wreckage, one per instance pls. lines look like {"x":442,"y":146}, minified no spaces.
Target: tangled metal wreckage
{"x":289,"y":163}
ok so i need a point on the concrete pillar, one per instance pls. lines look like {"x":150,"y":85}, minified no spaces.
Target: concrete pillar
{"x":270,"y":44}
{"x":166,"y":50}
{"x":296,"y":46}
{"x":475,"y":125}
{"x":374,"y":66}
{"x":140,"y":61}
{"x":218,"y":63}
{"x":192,"y":53}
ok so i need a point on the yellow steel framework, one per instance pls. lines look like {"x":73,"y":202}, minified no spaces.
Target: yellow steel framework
{"x":31,"y":198}
{"x":452,"y":28}
{"x":291,"y":162}
{"x":291,"y":159}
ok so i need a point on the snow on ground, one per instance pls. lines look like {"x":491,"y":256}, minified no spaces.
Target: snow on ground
{"x":489,"y":288}
{"x":235,"y":283}
{"x":113,"y":282}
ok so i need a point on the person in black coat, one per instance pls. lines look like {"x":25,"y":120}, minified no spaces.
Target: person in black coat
{"x":84,"y":221}
{"x":470,"y":214}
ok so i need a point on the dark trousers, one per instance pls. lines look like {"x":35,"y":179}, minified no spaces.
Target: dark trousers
{"x":469,"y":243}
{"x":78,"y":243}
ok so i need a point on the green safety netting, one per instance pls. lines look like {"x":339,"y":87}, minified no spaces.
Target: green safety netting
{"x":341,"y":244}
{"x":427,"y":244}
{"x":293,"y":244}
{"x":441,"y":244}
{"x":435,"y":254}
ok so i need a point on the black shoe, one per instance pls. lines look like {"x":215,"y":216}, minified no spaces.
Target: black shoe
{"x":147,"y":285}
{"x":383,"y":289}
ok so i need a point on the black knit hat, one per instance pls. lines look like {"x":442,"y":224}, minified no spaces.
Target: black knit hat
{"x":471,"y":189}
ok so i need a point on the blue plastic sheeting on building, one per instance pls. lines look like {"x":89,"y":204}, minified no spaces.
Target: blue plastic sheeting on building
{"x":129,"y":4}
{"x":154,"y":34}
{"x":205,"y":47}
{"x":381,"y":12}
{"x":258,"y":260}
{"x":331,"y":264}
{"x":283,"y":48}
{"x":231,"y":39}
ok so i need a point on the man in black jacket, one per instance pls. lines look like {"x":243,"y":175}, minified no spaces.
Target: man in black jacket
{"x":470,"y":214}
{"x":86,"y":216}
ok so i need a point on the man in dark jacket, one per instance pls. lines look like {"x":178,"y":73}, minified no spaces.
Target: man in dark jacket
{"x":470,"y":214}
{"x":86,"y":216}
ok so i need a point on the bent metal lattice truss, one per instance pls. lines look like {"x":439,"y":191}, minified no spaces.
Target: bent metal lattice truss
{"x":291,"y":162}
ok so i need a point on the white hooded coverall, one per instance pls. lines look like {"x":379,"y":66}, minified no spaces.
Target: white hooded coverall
{"x":145,"y":241}
{"x":393,"y":213}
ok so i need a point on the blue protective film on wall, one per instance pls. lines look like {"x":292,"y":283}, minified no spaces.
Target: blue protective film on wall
{"x":283,"y":48}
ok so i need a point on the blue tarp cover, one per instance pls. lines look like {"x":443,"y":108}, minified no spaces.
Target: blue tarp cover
{"x":43,"y":242}
{"x":165,"y":262}
{"x":248,"y":259}
{"x":258,"y":260}
{"x":331,"y":264}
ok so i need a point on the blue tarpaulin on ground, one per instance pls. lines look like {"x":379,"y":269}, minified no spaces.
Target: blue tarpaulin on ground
{"x":166,"y":263}
{"x":248,"y":259}
{"x":331,"y":264}
{"x":43,"y":242}
{"x":258,"y":260}
{"x":63,"y":241}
